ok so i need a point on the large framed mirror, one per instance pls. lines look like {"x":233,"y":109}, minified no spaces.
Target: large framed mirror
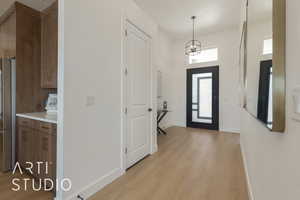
{"x":265,"y":62}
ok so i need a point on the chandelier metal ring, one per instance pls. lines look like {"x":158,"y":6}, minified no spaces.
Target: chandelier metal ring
{"x":193,"y":47}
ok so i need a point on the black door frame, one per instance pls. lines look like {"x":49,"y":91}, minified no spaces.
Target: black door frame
{"x":215,"y":109}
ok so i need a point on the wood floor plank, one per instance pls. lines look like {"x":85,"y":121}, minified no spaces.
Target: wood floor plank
{"x":191,"y":164}
{"x":6,"y":192}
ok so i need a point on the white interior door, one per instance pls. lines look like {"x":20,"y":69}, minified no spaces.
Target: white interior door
{"x":138,"y":93}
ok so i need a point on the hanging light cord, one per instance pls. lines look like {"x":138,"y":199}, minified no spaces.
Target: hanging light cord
{"x":193,"y":18}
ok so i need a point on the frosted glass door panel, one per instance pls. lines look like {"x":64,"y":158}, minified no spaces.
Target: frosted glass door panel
{"x":270,"y":104}
{"x":202,"y":98}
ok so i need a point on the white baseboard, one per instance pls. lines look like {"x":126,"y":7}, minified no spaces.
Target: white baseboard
{"x":155,"y":149}
{"x":230,"y":130}
{"x":166,"y":125}
{"x":250,"y":190}
{"x":95,"y":187}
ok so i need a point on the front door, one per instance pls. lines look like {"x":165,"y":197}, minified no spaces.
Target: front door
{"x":203,"y":98}
{"x":264,"y":106}
{"x":138,"y":93}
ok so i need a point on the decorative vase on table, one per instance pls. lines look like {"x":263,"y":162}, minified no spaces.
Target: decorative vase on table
{"x":165,"y":105}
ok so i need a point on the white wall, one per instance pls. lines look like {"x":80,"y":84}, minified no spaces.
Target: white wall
{"x":92,"y":135}
{"x":228,"y":44}
{"x":165,"y":66}
{"x":273,"y":160}
{"x":93,"y":63}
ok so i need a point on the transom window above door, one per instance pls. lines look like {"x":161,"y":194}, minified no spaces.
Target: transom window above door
{"x":268,"y":46}
{"x":206,"y":55}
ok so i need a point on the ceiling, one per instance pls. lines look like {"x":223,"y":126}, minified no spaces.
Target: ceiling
{"x":174,"y":15}
{"x":36,"y":4}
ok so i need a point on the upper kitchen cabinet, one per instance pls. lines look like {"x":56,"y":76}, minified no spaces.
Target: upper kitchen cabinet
{"x":20,"y":38}
{"x":7,"y":34}
{"x":49,"y":47}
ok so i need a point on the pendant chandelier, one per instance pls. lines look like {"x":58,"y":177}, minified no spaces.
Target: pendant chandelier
{"x":193,"y":47}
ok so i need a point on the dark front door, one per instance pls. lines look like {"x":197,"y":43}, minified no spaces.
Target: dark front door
{"x":203,"y":98}
{"x":264,"y":106}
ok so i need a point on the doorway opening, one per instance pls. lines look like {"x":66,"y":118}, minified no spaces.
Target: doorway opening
{"x":203,"y":98}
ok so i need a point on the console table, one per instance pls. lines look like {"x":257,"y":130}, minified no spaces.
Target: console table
{"x":160,"y":116}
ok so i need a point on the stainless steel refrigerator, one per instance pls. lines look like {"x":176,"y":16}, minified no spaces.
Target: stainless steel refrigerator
{"x":7,"y":113}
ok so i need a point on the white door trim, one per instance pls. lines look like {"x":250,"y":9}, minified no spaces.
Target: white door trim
{"x":60,"y":99}
{"x":153,"y":143}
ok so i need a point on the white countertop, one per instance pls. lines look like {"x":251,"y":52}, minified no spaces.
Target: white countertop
{"x":40,"y":116}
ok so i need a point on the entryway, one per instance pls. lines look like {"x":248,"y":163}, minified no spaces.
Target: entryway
{"x":203,"y":98}
{"x":191,"y":164}
{"x":137,"y":94}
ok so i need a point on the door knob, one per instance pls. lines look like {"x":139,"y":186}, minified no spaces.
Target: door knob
{"x":149,"y":109}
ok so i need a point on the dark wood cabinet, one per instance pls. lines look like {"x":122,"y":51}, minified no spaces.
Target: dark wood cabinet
{"x":37,"y":143}
{"x":47,"y":149}
{"x":49,"y":47}
{"x":25,"y":144}
{"x":21,"y":38}
{"x":8,"y":34}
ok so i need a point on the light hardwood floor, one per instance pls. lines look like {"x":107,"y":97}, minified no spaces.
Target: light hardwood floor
{"x":191,"y":164}
{"x":6,"y":192}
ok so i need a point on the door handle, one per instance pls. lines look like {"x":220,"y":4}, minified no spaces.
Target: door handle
{"x":149,"y":109}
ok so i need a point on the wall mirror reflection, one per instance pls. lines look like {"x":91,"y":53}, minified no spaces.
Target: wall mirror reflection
{"x":265,"y":77}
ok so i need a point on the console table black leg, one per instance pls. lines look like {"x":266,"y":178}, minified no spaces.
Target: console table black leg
{"x":164,"y":132}
{"x":159,"y":119}
{"x":158,"y":131}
